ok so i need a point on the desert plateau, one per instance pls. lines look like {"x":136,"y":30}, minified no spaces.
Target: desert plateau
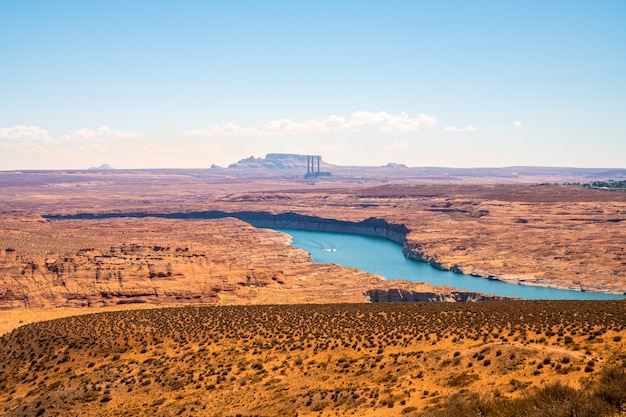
{"x":312,"y":209}
{"x":167,"y":293}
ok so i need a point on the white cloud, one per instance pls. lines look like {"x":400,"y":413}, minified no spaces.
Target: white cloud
{"x":468,"y":128}
{"x":23,"y":133}
{"x":398,"y":146}
{"x":287,"y":126}
{"x":385,"y":122}
{"x":333,"y":121}
{"x":517,"y":124}
{"x":102,"y":134}
{"x":127,"y":135}
{"x":33,"y":147}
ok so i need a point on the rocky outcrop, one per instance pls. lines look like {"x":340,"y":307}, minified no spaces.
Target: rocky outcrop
{"x":392,"y":295}
{"x":127,"y":273}
{"x":234,"y":259}
{"x":414,"y":251}
{"x":369,"y":227}
{"x":412,"y":248}
{"x":169,"y":261}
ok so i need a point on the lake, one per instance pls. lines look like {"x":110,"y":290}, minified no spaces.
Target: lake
{"x":384,"y":257}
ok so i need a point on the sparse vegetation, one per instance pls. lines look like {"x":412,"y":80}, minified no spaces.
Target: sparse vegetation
{"x":368,"y":359}
{"x":554,"y":400}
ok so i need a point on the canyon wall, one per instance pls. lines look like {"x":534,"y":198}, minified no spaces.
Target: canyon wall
{"x":145,"y":259}
{"x":375,"y":227}
{"x":369,"y":227}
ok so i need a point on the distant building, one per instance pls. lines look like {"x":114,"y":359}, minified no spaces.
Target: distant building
{"x":313,"y":167}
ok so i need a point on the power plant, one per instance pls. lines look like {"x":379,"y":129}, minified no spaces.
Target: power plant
{"x":313,"y":167}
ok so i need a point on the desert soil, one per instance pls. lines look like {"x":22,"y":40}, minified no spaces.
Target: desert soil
{"x":337,"y":359}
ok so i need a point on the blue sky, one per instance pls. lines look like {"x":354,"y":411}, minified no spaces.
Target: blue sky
{"x":148,"y":84}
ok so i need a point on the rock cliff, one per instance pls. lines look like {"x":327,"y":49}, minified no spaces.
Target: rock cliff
{"x":373,"y":226}
{"x":563,"y":236}
{"x":392,"y":295}
{"x":369,"y":227}
{"x":170,"y":261}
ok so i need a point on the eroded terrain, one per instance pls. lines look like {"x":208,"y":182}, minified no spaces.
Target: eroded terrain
{"x":116,"y":262}
{"x":549,"y":235}
{"x":562,"y":236}
{"x":144,"y":239}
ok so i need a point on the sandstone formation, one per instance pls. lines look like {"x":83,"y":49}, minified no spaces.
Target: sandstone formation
{"x":395,"y":295}
{"x":166,"y":261}
{"x":547,"y":235}
{"x":563,"y":236}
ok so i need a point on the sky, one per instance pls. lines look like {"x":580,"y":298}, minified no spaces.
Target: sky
{"x":189,"y":84}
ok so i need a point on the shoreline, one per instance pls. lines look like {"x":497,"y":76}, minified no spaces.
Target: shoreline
{"x":373,"y":226}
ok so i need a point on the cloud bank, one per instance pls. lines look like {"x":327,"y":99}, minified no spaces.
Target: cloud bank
{"x":383,"y":121}
{"x":468,"y":128}
{"x":28,"y":134}
{"x":23,"y":133}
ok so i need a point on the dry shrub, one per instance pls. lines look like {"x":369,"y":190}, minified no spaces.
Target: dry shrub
{"x":555,"y":400}
{"x":612,"y":387}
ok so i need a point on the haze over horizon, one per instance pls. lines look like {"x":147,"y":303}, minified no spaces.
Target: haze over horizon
{"x":148,"y":84}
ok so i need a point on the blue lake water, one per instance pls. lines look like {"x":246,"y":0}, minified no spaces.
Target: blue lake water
{"x":384,"y":257}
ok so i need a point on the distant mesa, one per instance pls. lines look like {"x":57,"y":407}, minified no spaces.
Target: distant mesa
{"x":313,"y":164}
{"x":273,"y":161}
{"x":101,"y":167}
